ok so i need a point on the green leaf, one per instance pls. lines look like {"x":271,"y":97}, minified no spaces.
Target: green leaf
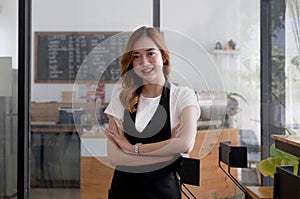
{"x":267,"y":167}
{"x":290,"y":132}
{"x":230,"y":96}
{"x":274,"y":152}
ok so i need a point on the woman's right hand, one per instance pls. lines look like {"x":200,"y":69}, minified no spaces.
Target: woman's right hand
{"x":116,"y":135}
{"x":115,"y":125}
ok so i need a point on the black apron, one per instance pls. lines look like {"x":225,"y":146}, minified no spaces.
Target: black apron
{"x":156,"y":181}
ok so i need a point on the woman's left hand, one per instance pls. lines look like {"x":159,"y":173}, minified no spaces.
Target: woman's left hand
{"x":177,"y":130}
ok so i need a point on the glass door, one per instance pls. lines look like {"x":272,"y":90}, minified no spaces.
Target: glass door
{"x":73,"y":72}
{"x":222,"y":37}
{"x":8,"y":98}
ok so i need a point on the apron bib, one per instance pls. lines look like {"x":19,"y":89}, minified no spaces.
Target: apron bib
{"x":153,"y":181}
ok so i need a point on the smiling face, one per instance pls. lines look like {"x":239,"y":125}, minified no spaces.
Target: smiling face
{"x":148,"y":61}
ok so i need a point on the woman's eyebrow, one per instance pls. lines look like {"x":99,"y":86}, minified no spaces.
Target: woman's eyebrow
{"x":150,"y":49}
{"x":147,"y":50}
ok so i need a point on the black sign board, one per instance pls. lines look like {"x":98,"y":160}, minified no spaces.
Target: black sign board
{"x":63,"y":57}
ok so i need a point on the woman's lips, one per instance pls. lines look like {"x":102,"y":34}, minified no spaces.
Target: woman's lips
{"x":147,"y":71}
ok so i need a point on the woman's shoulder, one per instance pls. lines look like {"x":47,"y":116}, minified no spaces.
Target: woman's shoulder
{"x":181,"y":90}
{"x":184,"y":96}
{"x":115,"y":107}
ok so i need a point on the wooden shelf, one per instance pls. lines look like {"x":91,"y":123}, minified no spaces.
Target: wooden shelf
{"x":226,"y":52}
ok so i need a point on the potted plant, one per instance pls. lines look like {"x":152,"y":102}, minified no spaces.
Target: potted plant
{"x":232,"y":108}
{"x":267,"y":167}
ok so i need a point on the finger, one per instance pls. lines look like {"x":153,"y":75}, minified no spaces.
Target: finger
{"x":111,"y":139}
{"x":180,"y":128}
{"x":181,"y":122}
{"x":177,"y":131}
{"x":118,"y":123}
{"x":115,"y":139}
{"x":113,"y":134}
{"x":177,"y":125}
{"x":121,"y":131}
{"x":110,"y":131}
{"x":119,"y":126}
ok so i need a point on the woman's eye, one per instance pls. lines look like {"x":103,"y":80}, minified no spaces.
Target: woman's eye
{"x":135,"y":56}
{"x":151,"y":54}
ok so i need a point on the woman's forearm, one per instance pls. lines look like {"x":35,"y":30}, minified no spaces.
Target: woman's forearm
{"x":167,"y":147}
{"x":181,"y":144}
{"x":117,"y":156}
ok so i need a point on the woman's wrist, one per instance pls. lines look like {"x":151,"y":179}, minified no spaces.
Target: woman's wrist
{"x":137,"y":148}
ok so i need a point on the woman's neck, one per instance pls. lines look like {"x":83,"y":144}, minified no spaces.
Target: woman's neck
{"x":152,"y":90}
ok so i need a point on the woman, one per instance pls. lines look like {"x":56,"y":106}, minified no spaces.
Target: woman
{"x":151,"y":122}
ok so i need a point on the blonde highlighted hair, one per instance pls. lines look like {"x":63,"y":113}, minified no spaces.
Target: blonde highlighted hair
{"x":131,"y":83}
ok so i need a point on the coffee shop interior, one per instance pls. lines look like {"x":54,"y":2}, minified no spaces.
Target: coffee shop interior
{"x":59,"y":64}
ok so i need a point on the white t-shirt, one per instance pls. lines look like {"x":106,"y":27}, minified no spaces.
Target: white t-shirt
{"x":181,"y":97}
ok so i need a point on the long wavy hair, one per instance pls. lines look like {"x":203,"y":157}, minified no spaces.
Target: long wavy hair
{"x":131,"y":83}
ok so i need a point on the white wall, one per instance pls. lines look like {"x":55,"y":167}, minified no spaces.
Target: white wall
{"x":209,"y":22}
{"x":9,"y":30}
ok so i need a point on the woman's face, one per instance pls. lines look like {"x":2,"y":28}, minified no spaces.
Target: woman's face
{"x":147,"y":60}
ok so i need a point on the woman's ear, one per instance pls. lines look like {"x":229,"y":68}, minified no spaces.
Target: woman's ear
{"x":164,"y":59}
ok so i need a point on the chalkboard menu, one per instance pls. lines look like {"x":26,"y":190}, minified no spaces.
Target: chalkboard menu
{"x":63,"y":57}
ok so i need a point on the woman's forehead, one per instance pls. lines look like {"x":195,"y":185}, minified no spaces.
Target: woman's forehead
{"x":144,"y":43}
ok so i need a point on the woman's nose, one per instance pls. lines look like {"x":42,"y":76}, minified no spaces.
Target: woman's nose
{"x":144,"y":60}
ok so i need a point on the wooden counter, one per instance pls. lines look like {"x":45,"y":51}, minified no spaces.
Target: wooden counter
{"x":260,"y":192}
{"x":213,"y":181}
{"x":57,"y":128}
{"x":48,"y":111}
{"x":288,"y":143}
{"x":96,"y":176}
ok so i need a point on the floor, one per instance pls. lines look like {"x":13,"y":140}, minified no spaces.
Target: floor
{"x":53,"y":193}
{"x":250,"y":177}
{"x":38,"y":193}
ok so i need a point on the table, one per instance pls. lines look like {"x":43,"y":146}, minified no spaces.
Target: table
{"x":260,"y":192}
{"x":288,"y":143}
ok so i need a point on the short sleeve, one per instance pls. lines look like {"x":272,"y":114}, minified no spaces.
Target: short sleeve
{"x":115,"y":107}
{"x":187,"y":97}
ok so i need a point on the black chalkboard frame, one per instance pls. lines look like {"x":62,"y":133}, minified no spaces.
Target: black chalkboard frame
{"x":38,"y":67}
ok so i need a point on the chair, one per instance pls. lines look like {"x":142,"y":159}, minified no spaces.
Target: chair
{"x":189,"y":174}
{"x":233,"y":157}
{"x":286,"y":184}
{"x":249,"y":139}
{"x":251,"y":175}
